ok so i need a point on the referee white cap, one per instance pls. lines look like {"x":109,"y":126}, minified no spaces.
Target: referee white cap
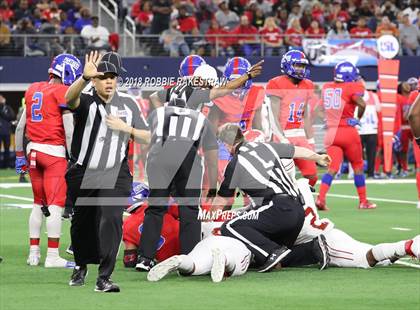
{"x":207,"y":73}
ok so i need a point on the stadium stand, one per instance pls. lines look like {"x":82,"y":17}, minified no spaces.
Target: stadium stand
{"x":208,"y":27}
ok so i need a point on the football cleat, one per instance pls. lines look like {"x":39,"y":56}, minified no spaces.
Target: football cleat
{"x":144,"y":264}
{"x":275,"y":257}
{"x":413,"y":247}
{"x":164,"y":268}
{"x":321,"y":252}
{"x":367,"y":205}
{"x":78,"y":277}
{"x":219,"y":264}
{"x":321,"y":205}
{"x":58,"y":262}
{"x":34,"y":256}
{"x":69,"y":250}
{"x":106,"y":286}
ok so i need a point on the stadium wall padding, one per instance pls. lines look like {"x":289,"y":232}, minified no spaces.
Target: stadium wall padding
{"x":32,"y":69}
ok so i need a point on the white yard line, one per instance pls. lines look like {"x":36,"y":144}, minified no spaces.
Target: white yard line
{"x":15,"y":185}
{"x":399,"y":262}
{"x":16,"y":197}
{"x":19,"y":206}
{"x":401,"y":228}
{"x":384,"y":181}
{"x":373,"y":198}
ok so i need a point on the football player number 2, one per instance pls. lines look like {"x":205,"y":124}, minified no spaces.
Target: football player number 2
{"x":332,"y":98}
{"x":36,"y":114}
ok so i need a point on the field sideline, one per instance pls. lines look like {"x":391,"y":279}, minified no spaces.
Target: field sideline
{"x":396,"y":218}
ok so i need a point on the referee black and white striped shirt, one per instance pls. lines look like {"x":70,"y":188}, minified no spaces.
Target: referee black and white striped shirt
{"x":181,"y":124}
{"x":257,"y":170}
{"x":94,"y":144}
{"x":196,"y":98}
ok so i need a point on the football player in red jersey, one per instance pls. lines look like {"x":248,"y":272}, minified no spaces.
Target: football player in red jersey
{"x":340,"y":99}
{"x":414,"y":121}
{"x":45,"y":124}
{"x":242,"y":106}
{"x":290,"y":95}
{"x":406,"y":135}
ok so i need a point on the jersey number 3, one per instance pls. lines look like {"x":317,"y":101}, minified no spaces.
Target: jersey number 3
{"x":36,"y":115}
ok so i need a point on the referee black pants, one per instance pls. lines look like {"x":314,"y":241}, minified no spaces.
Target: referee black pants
{"x":267,"y":228}
{"x":96,"y":227}
{"x":369,"y":143}
{"x":171,"y":172}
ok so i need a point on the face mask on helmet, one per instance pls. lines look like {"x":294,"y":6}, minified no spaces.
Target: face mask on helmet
{"x":66,"y":67}
{"x":295,"y":64}
{"x":190,"y":64}
{"x":235,"y":68}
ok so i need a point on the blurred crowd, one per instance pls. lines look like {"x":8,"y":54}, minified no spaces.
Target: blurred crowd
{"x":228,"y":27}
{"x":53,"y":20}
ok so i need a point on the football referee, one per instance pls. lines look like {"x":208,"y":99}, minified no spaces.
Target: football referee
{"x":257,"y":170}
{"x":98,"y":178}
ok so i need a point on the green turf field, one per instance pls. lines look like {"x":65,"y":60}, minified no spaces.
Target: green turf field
{"x":397,"y":287}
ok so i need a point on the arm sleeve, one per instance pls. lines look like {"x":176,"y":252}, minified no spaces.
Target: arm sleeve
{"x":231,"y":177}
{"x":198,"y":96}
{"x":284,"y":150}
{"x":357,"y":90}
{"x":20,"y":129}
{"x":83,"y":105}
{"x":68,"y":129}
{"x":163,"y":95}
{"x":139,"y":122}
{"x":208,"y":140}
{"x":60,"y":96}
{"x":272,"y":89}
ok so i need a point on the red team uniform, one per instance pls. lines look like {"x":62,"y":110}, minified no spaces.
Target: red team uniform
{"x":46,"y":150}
{"x":339,"y":100}
{"x":169,"y":239}
{"x":413,"y":95}
{"x":241,"y":111}
{"x":295,"y":99}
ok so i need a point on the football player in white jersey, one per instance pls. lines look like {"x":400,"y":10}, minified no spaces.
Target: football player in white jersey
{"x":344,"y":251}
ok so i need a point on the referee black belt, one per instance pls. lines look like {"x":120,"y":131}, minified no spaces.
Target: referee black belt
{"x":284,"y":195}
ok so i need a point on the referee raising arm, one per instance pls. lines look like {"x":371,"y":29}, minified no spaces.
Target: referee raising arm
{"x":98,"y":178}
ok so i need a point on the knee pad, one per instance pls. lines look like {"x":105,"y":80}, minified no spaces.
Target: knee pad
{"x":54,"y":221}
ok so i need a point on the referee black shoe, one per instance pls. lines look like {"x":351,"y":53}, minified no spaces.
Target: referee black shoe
{"x":275,"y":257}
{"x":106,"y":286}
{"x":321,"y":252}
{"x":144,"y":264}
{"x":79,"y":275}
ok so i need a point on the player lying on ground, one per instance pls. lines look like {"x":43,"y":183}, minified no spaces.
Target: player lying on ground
{"x":224,"y":256}
{"x":48,"y":129}
{"x":344,"y":251}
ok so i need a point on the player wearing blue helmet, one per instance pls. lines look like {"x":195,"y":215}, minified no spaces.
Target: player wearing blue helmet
{"x":290,"y":95}
{"x":48,"y":127}
{"x":66,"y":67}
{"x":189,"y":64}
{"x":242,"y":107}
{"x":339,"y":101}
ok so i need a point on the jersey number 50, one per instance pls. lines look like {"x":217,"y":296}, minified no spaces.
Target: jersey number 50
{"x":332,"y":98}
{"x":36,"y":115}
